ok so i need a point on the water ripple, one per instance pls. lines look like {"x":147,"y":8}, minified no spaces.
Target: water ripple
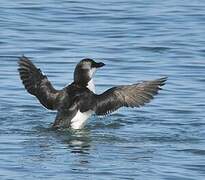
{"x":140,"y":40}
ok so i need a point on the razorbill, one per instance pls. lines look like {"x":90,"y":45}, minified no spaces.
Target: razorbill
{"x":76,"y":102}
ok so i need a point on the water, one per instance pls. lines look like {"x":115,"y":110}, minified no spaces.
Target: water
{"x":138,"y":40}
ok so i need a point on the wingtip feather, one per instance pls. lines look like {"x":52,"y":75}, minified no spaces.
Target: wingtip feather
{"x":162,"y":81}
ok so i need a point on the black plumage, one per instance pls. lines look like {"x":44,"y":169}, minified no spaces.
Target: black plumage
{"x":77,"y":97}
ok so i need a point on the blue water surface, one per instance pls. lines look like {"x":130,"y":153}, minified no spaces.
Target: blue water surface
{"x":138,"y":40}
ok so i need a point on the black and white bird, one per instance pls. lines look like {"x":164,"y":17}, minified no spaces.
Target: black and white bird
{"x":76,"y":102}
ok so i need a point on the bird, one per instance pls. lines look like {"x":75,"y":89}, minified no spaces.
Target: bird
{"x":76,"y":102}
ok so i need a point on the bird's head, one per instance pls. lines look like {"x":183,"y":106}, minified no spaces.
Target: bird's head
{"x":85,"y":70}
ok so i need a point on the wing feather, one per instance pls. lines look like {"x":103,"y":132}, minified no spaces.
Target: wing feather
{"x":134,"y":95}
{"x":38,"y":84}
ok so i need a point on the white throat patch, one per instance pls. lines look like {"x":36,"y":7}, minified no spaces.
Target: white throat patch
{"x":91,"y":85}
{"x":92,"y":72}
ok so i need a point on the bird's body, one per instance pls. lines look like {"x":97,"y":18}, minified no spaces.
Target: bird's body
{"x":73,"y":110}
{"x":77,"y":102}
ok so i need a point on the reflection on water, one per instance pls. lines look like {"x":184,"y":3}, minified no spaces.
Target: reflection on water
{"x":78,"y":141}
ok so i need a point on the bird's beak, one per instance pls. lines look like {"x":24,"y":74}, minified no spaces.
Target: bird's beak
{"x":99,"y":65}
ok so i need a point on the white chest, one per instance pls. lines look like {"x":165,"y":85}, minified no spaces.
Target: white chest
{"x":91,"y":85}
{"x":80,"y":119}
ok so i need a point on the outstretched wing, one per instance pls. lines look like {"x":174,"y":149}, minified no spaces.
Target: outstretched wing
{"x":135,"y":95}
{"x":37,"y":84}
